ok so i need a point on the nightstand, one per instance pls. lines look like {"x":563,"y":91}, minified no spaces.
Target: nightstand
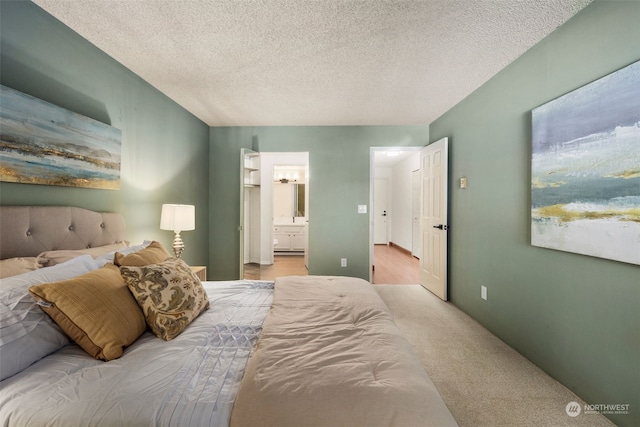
{"x":200,"y":271}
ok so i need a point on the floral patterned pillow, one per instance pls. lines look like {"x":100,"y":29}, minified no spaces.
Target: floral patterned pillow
{"x":169,"y":293}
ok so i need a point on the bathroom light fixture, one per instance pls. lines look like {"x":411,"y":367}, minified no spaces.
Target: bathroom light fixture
{"x":178,"y":218}
{"x":285,"y":174}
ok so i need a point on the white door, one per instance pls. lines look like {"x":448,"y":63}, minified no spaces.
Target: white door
{"x":306,"y":214}
{"x":433,"y":212}
{"x":415,"y":214}
{"x":380,"y":211}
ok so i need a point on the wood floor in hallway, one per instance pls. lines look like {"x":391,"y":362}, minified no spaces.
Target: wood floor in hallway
{"x":394,"y":266}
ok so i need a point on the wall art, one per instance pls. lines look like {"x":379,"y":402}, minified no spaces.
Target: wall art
{"x":585,"y":169}
{"x":41,"y":143}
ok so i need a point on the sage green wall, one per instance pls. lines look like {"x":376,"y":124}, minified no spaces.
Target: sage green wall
{"x":165,"y":149}
{"x":577,"y":317}
{"x":339,"y":162}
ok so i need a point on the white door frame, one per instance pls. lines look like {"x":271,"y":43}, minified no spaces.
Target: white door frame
{"x":372,"y":178}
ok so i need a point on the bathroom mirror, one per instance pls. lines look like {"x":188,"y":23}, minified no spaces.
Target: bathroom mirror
{"x":288,"y":199}
{"x":289,"y":192}
{"x":298,"y":202}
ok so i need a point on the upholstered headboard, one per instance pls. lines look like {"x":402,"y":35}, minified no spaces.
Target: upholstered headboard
{"x":26,"y":231}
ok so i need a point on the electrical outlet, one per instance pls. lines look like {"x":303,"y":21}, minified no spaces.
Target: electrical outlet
{"x":343,"y":262}
{"x":483,"y":292}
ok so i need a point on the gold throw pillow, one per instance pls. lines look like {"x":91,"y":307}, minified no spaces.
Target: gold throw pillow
{"x":96,"y":310}
{"x":169,"y":293}
{"x":153,"y":254}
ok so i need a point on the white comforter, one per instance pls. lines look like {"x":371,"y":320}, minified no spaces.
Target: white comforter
{"x":330,"y":355}
{"x":189,"y":381}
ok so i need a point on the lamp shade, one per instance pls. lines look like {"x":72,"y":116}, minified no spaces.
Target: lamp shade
{"x":178,"y":217}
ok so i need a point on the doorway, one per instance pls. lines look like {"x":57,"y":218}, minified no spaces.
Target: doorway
{"x":392,"y":215}
{"x":275,"y":215}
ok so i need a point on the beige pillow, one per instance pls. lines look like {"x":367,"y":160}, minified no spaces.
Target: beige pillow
{"x":50,"y":258}
{"x":14,"y":266}
{"x":96,"y":310}
{"x":169,"y":293}
{"x":153,"y":254}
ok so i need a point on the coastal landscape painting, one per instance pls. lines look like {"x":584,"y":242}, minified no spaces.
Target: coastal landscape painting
{"x":585,"y":169}
{"x":41,"y":143}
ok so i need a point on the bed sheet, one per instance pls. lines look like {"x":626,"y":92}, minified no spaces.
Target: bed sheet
{"x":189,"y":381}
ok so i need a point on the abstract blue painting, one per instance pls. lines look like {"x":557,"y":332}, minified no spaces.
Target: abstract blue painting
{"x":585,"y":169}
{"x":41,"y":143}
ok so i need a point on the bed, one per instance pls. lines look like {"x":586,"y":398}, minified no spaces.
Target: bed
{"x":303,"y":351}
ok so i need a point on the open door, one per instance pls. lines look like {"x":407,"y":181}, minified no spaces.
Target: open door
{"x":434,"y":160}
{"x":306,"y":208}
{"x":380,"y":209}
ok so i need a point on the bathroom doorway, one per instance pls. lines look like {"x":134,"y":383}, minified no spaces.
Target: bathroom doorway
{"x":279,"y":226}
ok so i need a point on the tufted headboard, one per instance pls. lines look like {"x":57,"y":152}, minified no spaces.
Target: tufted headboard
{"x":26,"y":231}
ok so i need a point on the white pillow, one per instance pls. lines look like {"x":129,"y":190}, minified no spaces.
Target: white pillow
{"x":27,"y":334}
{"x":51,"y":258}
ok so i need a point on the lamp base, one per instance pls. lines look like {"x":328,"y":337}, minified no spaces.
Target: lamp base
{"x":178,"y":245}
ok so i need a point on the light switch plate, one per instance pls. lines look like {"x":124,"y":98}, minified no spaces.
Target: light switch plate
{"x":463,"y":182}
{"x":362,"y":209}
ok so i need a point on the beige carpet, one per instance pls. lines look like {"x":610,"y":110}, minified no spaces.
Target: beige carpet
{"x":483,"y":381}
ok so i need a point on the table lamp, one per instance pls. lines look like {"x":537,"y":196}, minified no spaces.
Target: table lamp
{"x":178,"y":218}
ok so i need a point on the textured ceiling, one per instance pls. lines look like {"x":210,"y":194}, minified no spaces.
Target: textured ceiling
{"x":305,"y":62}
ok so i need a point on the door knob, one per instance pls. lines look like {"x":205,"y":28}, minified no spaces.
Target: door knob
{"x":441,"y":227}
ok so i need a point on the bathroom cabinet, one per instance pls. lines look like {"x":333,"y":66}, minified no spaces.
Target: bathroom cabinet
{"x":290,"y":238}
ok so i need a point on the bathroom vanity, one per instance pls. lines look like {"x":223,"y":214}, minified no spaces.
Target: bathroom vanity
{"x":289,"y":237}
